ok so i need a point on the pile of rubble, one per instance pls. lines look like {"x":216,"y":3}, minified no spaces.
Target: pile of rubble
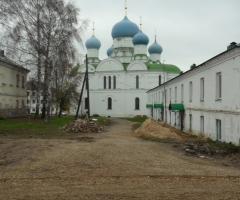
{"x":84,"y":126}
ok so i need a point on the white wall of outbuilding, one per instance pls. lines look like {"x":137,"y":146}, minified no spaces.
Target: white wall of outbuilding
{"x":226,"y":109}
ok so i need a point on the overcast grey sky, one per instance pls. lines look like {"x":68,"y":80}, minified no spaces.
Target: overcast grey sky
{"x":190,"y":31}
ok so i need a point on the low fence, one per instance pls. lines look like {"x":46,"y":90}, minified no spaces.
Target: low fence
{"x":13,"y":112}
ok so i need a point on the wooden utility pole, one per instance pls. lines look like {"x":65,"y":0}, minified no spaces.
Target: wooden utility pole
{"x":80,"y":98}
{"x":87,"y":85}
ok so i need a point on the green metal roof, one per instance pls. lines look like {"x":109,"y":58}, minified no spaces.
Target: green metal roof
{"x":177,"y":106}
{"x":155,"y":66}
{"x":149,"y":106}
{"x":158,"y":105}
{"x":140,"y":55}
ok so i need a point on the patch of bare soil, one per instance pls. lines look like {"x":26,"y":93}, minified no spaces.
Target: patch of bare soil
{"x":117,"y":165}
{"x":190,"y":146}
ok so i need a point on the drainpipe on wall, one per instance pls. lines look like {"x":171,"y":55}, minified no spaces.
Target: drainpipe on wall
{"x":165,"y":109}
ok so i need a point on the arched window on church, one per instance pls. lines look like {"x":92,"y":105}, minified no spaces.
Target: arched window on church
{"x":104,"y":82}
{"x":159,"y":80}
{"x":109,"y":103}
{"x":114,"y":82}
{"x":137,"y":103}
{"x":137,"y":82}
{"x":109,"y":82}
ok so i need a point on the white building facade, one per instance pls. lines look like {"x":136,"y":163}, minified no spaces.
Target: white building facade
{"x":204,"y":100}
{"x":118,"y":84}
{"x":32,"y":102}
{"x":13,"y":90}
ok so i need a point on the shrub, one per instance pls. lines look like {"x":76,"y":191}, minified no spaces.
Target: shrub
{"x":95,"y":115}
{"x":2,"y":118}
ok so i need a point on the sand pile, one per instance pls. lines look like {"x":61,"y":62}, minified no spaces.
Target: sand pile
{"x":157,"y":129}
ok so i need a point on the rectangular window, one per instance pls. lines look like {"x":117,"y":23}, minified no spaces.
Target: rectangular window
{"x":28,"y":101}
{"x":17,"y":80}
{"x":182,"y":93}
{"x":190,"y":122}
{"x":33,"y":93}
{"x":109,"y":103}
{"x":175,"y":94}
{"x":202,"y":124}
{"x":33,"y":101}
{"x":137,"y":82}
{"x":109,"y":82}
{"x":218,"y":130}
{"x":114,"y":82}
{"x":159,"y":80}
{"x":137,"y":101}
{"x":104,"y":82}
{"x":170,"y":94}
{"x":86,"y":103}
{"x":23,"y":82}
{"x":23,"y":103}
{"x":27,"y":93}
{"x":166,"y":96}
{"x":201,"y":89}
{"x":162,"y":96}
{"x":190,"y":91}
{"x":219,"y":86}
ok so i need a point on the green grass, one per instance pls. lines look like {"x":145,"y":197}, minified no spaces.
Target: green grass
{"x":102,"y":120}
{"x":138,"y":120}
{"x":23,"y":128}
{"x":136,"y":126}
{"x":224,"y":145}
{"x":150,"y":138}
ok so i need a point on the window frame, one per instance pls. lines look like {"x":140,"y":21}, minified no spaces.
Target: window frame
{"x":104,"y":82}
{"x":218,"y":86}
{"x":176,"y":94}
{"x":190,"y":91}
{"x":114,"y":82}
{"x":109,"y":107}
{"x":137,"y":103}
{"x":137,"y":82}
{"x":218,"y":130}
{"x":202,"y":89}
{"x":17,"y":80}
{"x":109,"y":82}
{"x":182,"y":93}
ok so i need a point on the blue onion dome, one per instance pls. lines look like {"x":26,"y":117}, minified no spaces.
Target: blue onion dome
{"x":140,"y":38}
{"x":155,"y":48}
{"x":110,"y":50}
{"x":124,"y":28}
{"x":93,"y":43}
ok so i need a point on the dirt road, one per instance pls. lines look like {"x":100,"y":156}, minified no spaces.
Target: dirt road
{"x":111,"y":165}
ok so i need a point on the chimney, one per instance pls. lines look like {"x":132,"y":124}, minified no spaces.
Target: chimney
{"x":2,"y":53}
{"x":232,"y":45}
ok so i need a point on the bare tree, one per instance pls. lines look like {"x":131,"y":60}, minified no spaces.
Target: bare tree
{"x":42,"y":31}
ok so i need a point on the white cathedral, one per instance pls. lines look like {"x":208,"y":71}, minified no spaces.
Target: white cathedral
{"x":118,"y":84}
